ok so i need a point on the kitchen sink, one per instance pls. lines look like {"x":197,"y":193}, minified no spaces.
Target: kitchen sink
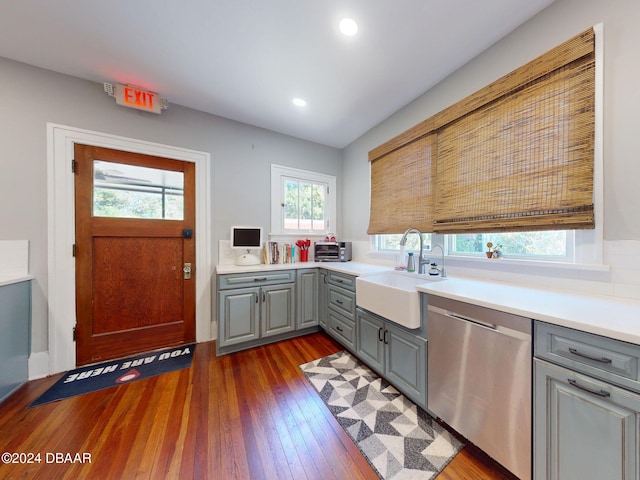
{"x":393,"y":295}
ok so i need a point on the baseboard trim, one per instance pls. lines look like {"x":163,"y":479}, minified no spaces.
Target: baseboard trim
{"x":38,"y":365}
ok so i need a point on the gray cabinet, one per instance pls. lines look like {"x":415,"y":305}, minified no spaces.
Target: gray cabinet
{"x":586,"y":406}
{"x":254,"y":308}
{"x":341,"y":308}
{"x":238,"y":317}
{"x":277,"y":309}
{"x":15,"y":327}
{"x":584,"y":428}
{"x":308,"y":292}
{"x":395,"y":353}
{"x":323,"y":300}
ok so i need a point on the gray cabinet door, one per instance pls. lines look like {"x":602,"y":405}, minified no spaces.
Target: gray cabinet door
{"x":370,"y":345}
{"x":323,"y":301}
{"x":584,"y":428}
{"x":406,"y":363}
{"x":277,"y":309}
{"x":15,"y":324}
{"x":238,"y":315}
{"x":307,"y":304}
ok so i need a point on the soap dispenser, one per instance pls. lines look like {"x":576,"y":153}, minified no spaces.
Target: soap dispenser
{"x":411,"y":266}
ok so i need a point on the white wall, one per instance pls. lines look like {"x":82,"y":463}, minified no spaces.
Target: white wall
{"x":554,"y":25}
{"x":241,"y":156}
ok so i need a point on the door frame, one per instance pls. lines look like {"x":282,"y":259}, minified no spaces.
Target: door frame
{"x":61,"y":232}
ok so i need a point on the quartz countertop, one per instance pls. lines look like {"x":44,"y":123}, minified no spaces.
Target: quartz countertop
{"x":351,"y":268}
{"x":608,"y":316}
{"x":8,"y":279}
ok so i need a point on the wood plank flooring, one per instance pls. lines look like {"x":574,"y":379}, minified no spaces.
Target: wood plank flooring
{"x":248,"y":415}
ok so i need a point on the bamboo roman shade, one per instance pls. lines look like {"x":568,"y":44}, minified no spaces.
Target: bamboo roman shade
{"x":525,"y":160}
{"x":401,"y":189}
{"x":516,"y":155}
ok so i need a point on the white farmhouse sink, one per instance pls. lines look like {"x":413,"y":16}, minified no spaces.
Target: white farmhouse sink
{"x":392,"y":295}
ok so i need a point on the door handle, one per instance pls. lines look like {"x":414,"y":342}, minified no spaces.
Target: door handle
{"x":186,"y":269}
{"x":380,"y":334}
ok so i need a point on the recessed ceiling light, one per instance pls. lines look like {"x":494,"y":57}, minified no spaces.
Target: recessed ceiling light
{"x":348,"y":27}
{"x":299,"y":102}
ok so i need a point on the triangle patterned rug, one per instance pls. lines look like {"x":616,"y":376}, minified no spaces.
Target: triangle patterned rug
{"x":398,"y":439}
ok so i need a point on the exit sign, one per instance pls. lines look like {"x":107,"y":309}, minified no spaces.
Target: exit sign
{"x":135,"y":97}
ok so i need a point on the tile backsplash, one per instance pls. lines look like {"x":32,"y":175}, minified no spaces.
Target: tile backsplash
{"x":14,"y":257}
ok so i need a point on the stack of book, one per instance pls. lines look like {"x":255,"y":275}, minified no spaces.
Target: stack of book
{"x":279,"y":253}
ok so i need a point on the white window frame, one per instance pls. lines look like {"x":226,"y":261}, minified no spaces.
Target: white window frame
{"x":279,"y":174}
{"x":568,"y":257}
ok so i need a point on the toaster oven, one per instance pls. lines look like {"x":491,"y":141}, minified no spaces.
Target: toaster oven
{"x":332,"y":251}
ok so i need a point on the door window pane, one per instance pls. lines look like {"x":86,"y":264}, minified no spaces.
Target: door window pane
{"x":130,"y":191}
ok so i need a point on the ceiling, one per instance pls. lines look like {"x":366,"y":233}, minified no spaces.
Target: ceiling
{"x":247,"y":59}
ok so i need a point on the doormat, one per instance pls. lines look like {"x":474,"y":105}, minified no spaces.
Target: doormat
{"x":117,"y":372}
{"x":398,"y":439}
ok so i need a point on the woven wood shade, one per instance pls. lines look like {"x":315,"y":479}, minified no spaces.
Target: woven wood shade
{"x":523,"y":161}
{"x":401,"y":189}
{"x":516,"y":155}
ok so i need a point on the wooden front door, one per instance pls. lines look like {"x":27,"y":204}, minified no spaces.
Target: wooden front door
{"x":135,"y":253}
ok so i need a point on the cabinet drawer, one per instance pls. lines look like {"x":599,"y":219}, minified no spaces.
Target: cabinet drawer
{"x":343,"y":301}
{"x":342,"y":280}
{"x":601,"y":357}
{"x":253,"y":279}
{"x":343,"y":329}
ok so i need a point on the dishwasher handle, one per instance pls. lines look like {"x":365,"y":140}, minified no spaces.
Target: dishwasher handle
{"x":457,"y":316}
{"x":494,"y":327}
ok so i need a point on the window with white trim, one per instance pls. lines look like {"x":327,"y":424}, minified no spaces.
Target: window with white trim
{"x":549,"y":245}
{"x":302,"y":202}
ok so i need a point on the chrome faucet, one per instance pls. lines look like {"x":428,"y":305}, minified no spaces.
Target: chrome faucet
{"x":421,"y":261}
{"x":443,"y":274}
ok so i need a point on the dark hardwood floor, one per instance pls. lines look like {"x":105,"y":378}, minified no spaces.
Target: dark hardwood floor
{"x":248,"y":415}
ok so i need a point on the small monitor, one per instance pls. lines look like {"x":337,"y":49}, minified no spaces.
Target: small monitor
{"x":246,"y":237}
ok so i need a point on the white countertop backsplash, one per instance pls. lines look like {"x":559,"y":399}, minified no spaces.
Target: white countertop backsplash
{"x":14,"y":261}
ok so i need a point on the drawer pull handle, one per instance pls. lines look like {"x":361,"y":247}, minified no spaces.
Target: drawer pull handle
{"x":589,"y":357}
{"x":339,"y":280}
{"x":600,"y":393}
{"x":339,"y":302}
{"x":339,"y":329}
{"x":259,"y":279}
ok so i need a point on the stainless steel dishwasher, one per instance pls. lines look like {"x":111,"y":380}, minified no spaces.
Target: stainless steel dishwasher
{"x":479,"y":369}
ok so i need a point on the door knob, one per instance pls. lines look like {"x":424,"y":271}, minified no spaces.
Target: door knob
{"x":187,"y":271}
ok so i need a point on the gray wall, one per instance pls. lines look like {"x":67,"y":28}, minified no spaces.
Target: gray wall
{"x":557,"y":23}
{"x":241,"y":156}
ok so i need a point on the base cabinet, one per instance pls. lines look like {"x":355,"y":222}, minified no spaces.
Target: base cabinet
{"x":584,"y":428}
{"x":258,"y":308}
{"x":323,"y":300}
{"x":396,"y":354}
{"x":15,"y":338}
{"x":307,"y":302}
{"x":340,"y":297}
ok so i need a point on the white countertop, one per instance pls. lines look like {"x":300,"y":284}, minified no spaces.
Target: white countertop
{"x":608,"y":316}
{"x":9,"y":279}
{"x":602,"y":315}
{"x":351,"y":268}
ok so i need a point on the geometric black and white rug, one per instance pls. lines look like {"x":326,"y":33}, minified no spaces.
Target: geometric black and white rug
{"x":398,"y":439}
